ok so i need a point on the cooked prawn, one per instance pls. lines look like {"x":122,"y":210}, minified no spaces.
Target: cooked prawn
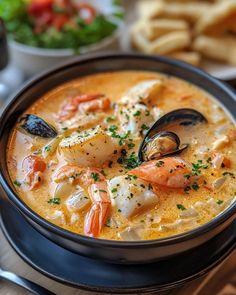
{"x":87,"y":102}
{"x":97,"y":215}
{"x":172,"y":172}
{"x":33,"y":167}
{"x":76,"y":174}
{"x":97,"y":188}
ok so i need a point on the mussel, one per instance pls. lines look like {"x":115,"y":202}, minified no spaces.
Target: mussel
{"x":37,"y":126}
{"x":160,"y":141}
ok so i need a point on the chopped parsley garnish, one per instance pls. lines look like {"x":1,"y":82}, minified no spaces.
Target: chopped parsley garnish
{"x":137,"y":113}
{"x":160,"y":163}
{"x":54,"y":201}
{"x":180,"y":207}
{"x":95,"y":176}
{"x":17,"y":183}
{"x":195,"y":186}
{"x":142,"y":221}
{"x":119,"y":210}
{"x":187,"y":189}
{"x":145,"y":127}
{"x":47,"y":148}
{"x":209,"y":160}
{"x":130,"y":161}
{"x":147,"y":113}
{"x":114,"y":190}
{"x":130,"y":177}
{"x":130,"y":145}
{"x":196,"y":167}
{"x":112,"y":128}
{"x":121,"y":137}
{"x":110,"y":119}
{"x":64,"y":128}
{"x":219,"y":202}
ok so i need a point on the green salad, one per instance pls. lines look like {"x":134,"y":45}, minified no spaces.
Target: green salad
{"x":55,"y":23}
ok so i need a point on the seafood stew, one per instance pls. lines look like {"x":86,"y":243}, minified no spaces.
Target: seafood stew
{"x":126,"y":155}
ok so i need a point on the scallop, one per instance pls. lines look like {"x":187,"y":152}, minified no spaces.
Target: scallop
{"x":89,"y":148}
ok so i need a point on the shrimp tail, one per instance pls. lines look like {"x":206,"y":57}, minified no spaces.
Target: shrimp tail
{"x":100,"y":210}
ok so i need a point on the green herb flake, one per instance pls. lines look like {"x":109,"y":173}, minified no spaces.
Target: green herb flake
{"x":180,"y":207}
{"x":187,"y":189}
{"x":137,"y":113}
{"x":17,"y":183}
{"x":219,"y":202}
{"x":110,"y":119}
{"x":195,"y":186}
{"x":130,"y":145}
{"x":114,"y":190}
{"x":160,"y":163}
{"x":112,"y":128}
{"x":54,"y":201}
{"x":95,"y":176}
{"x":145,"y":127}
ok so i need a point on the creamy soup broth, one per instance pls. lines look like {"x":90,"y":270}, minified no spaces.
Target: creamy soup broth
{"x":92,"y":199}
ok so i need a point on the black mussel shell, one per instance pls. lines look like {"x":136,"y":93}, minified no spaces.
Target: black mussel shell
{"x":37,"y":126}
{"x":181,"y":117}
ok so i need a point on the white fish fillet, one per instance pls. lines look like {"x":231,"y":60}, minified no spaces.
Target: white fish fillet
{"x":130,"y":195}
{"x":142,"y":91}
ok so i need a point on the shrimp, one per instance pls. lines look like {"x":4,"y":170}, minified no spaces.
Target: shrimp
{"x":33,"y":167}
{"x":99,"y":212}
{"x":98,"y":192}
{"x":76,"y":174}
{"x":84,"y":102}
{"x":172,"y":172}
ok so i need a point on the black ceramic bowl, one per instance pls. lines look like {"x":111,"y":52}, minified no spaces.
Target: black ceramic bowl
{"x":113,"y":251}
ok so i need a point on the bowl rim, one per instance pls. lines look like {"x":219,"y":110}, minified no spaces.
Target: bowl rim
{"x":36,"y":218}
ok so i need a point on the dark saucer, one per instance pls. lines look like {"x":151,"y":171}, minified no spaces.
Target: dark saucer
{"x":78,"y":271}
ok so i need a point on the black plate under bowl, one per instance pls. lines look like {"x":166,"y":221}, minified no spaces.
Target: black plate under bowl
{"x":82,"y":272}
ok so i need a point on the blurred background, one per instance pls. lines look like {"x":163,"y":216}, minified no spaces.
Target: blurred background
{"x":45,"y":33}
